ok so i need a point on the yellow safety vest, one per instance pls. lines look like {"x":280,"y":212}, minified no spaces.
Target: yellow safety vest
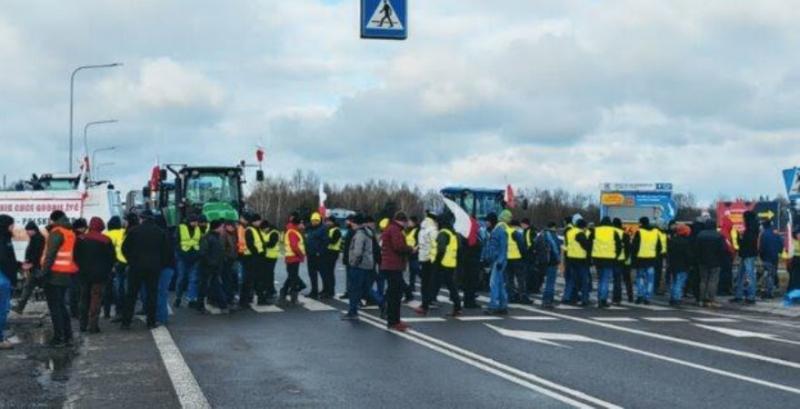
{"x":273,"y":252}
{"x":529,"y":238}
{"x":513,"y":247}
{"x":189,"y":242}
{"x":287,"y":243}
{"x":257,"y":241}
{"x":117,"y":237}
{"x":735,"y":238}
{"x":796,"y":247}
{"x":337,"y":245}
{"x":574,"y":248}
{"x":621,"y":234}
{"x":450,"y":259}
{"x":411,"y":237}
{"x":664,"y":240}
{"x":604,"y":245}
{"x":648,"y":240}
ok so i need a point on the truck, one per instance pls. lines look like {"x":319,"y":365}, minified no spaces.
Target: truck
{"x":632,"y":201}
{"x":476,"y":201}
{"x":33,"y":200}
{"x":217,"y":192}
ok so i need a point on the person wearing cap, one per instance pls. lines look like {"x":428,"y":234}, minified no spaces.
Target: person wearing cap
{"x":265,"y":286}
{"x":316,"y":243}
{"x":32,"y":265}
{"x":8,"y":273}
{"x":145,"y":248}
{"x":329,"y":258}
{"x":295,"y":254}
{"x":58,"y":263}
{"x":394,"y":254}
{"x":211,"y":265}
{"x":189,"y":234}
{"x":95,"y":257}
{"x":253,"y":260}
{"x":646,"y":248}
{"x":496,"y":256}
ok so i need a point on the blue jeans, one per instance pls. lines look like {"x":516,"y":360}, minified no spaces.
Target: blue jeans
{"x":187,"y":276}
{"x":584,"y":276}
{"x":644,"y":282}
{"x":549,"y":284}
{"x":120,"y":287}
{"x":569,"y":283}
{"x":356,"y":283}
{"x":678,"y":282}
{"x":497,"y":286}
{"x":162,"y":311}
{"x":770,"y":272}
{"x":746,"y":271}
{"x":5,"y":302}
{"x":606,"y":274}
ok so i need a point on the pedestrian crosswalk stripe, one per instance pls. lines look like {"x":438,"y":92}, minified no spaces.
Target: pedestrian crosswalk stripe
{"x":414,"y":304}
{"x":261,"y":309}
{"x":647,"y":307}
{"x":665,"y":319}
{"x":716,"y":320}
{"x":314,"y":305}
{"x":479,"y":318}
{"x":614,"y":319}
{"x":535,"y":318}
{"x":617,"y":308}
{"x":424,"y":319}
{"x":213,"y":310}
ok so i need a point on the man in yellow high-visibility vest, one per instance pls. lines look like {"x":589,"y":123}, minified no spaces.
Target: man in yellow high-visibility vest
{"x":189,"y":235}
{"x":330,"y":257}
{"x":646,"y":249}
{"x":606,"y":249}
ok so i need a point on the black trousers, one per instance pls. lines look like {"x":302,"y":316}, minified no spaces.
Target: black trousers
{"x":535,"y":277}
{"x":250,"y":269}
{"x":471,"y":282}
{"x":59,"y":315}
{"x":394,"y":296}
{"x":74,"y":297}
{"x":137,"y":278}
{"x":315,"y":264}
{"x":292,"y":283}
{"x":328,"y":273}
{"x":430,"y":284}
{"x":447,"y":278}
{"x":269,"y":277}
{"x":91,"y":301}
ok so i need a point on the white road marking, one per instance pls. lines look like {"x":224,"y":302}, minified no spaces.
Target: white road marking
{"x":213,"y":310}
{"x":424,"y":319}
{"x":314,"y":305}
{"x":414,"y":304}
{"x":545,"y":338}
{"x":186,"y":387}
{"x":479,"y":318}
{"x":511,"y":374}
{"x":534,"y":318}
{"x":665,"y":319}
{"x":650,"y":307}
{"x":262,"y":309}
{"x":716,"y":320}
{"x":617,"y":308}
{"x":560,"y":307}
{"x":614,"y":319}
{"x":738,"y":333}
{"x":662,"y":337}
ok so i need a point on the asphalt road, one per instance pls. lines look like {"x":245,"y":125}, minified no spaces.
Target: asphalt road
{"x":306,"y":357}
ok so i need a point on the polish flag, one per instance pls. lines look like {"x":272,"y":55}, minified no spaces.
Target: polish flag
{"x":259,"y":154}
{"x":322,"y":198}
{"x":509,"y":197}
{"x":82,"y":188}
{"x":155,"y":177}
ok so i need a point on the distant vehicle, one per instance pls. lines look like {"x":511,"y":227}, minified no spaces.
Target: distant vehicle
{"x":341,"y":215}
{"x":476,"y":201}
{"x":632,"y":201}
{"x":34,"y":200}
{"x":213,"y":191}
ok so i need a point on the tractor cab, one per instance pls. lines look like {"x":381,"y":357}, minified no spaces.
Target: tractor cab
{"x":476,"y":201}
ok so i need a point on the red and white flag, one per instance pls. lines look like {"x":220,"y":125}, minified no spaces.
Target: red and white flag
{"x":155,"y":177}
{"x":789,"y":245}
{"x":322,"y":198}
{"x":509,"y":197}
{"x":260,"y":153}
{"x":82,"y":188}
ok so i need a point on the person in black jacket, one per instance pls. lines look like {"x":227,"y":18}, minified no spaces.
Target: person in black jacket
{"x":348,"y":239}
{"x":32,"y":265}
{"x":8,"y":272}
{"x":679,"y":260}
{"x":145,"y":248}
{"x":748,"y":251}
{"x":711,"y":253}
{"x":211,"y":265}
{"x":95,"y":256}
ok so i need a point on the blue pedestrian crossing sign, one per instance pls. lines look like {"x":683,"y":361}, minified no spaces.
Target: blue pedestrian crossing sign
{"x":791,"y":178}
{"x":387,"y":19}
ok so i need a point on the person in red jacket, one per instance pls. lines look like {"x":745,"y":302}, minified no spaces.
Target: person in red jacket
{"x":295,"y":248}
{"x":394,"y":255}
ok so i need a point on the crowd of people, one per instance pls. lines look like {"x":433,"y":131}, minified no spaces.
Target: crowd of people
{"x":91,"y":269}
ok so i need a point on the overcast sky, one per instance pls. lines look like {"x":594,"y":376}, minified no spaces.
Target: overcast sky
{"x":535,"y":93}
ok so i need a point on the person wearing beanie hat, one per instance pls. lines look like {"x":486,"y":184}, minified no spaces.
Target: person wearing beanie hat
{"x":505,"y":216}
{"x":32,"y":265}
{"x":95,"y":257}
{"x":8,"y":269}
{"x":495,"y":254}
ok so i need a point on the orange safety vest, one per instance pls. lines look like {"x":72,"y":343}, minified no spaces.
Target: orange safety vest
{"x":65,"y":261}
{"x":241,"y":244}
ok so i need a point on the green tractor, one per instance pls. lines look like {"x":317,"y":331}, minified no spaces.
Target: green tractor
{"x":215,"y":192}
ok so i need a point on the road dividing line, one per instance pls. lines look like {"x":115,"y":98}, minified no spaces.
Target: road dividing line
{"x":534,"y":318}
{"x":479,"y":318}
{"x":716,"y":320}
{"x":514,"y":375}
{"x":614,"y":319}
{"x":314,"y":305}
{"x":665,"y":319}
{"x":742,"y":354}
{"x":186,"y":387}
{"x":263,"y":309}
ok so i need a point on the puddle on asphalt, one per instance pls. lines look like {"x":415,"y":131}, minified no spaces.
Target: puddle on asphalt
{"x":53,"y":364}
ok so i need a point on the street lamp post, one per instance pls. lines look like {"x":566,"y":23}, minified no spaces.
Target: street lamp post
{"x":96,"y":151}
{"x":86,"y":129}
{"x":72,"y":99}
{"x":102,"y":165}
